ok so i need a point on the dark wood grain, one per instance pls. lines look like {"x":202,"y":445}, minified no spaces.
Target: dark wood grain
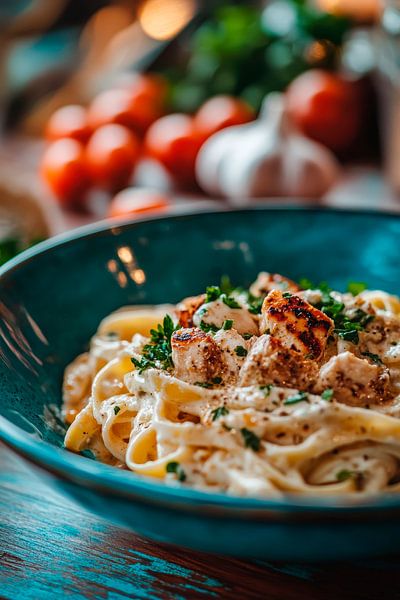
{"x":51,"y":548}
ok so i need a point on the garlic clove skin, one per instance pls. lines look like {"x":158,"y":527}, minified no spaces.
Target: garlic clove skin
{"x":307,"y":178}
{"x":265,"y":158}
{"x":211,"y":155}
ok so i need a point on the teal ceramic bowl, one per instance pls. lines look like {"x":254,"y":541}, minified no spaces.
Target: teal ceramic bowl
{"x":52,"y":299}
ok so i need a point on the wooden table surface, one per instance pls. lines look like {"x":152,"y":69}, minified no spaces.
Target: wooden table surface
{"x":52,"y":548}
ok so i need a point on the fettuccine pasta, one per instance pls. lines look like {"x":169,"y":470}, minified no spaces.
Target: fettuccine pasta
{"x":279,"y":388}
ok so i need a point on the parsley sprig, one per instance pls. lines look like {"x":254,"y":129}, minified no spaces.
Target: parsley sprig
{"x":158,"y":353}
{"x":175,"y":467}
{"x":374,"y":357}
{"x":218,"y":412}
{"x":214,"y":292}
{"x":251,"y":440}
{"x":346,"y":327}
{"x":299,"y":397}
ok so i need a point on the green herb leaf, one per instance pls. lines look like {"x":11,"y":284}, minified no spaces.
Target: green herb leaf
{"x":358,"y":476}
{"x":254,"y":303}
{"x":116,"y":409}
{"x":240,"y":351}
{"x":230,"y":301}
{"x":287,"y":295}
{"x":327,"y":395}
{"x":208,"y":327}
{"x":299,"y":397}
{"x":306,"y":284}
{"x":213,"y":292}
{"x":344,"y":474}
{"x":204,"y":384}
{"x":374,"y":357}
{"x":219,"y":412}
{"x":158,"y":353}
{"x":247,"y":336}
{"x":356,"y":287}
{"x":175,"y":467}
{"x":209,"y":384}
{"x":251,"y":440}
{"x":227,"y":324}
{"x":266,"y":388}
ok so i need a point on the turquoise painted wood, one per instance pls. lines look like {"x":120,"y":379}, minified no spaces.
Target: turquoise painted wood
{"x":52,"y":299}
{"x":50,"y":548}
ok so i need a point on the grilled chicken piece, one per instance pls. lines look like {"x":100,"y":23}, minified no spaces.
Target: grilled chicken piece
{"x":266,"y":282}
{"x":270,"y":362}
{"x":186,"y":309}
{"x":296,"y":323}
{"x":355,"y":381}
{"x":199,"y":357}
{"x":216,"y":312}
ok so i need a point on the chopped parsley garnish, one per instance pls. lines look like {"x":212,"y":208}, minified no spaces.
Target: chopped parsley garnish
{"x":251,"y":440}
{"x":286,"y":295}
{"x":254,"y":304}
{"x":175,"y":467}
{"x":158,"y":353}
{"x":213,"y":292}
{"x":344,"y":474}
{"x":374,"y":357}
{"x":327,"y":395}
{"x":209,"y":384}
{"x":240,"y":351}
{"x":299,"y":397}
{"x":230,"y":301}
{"x":116,"y":409}
{"x":227,"y":324}
{"x":219,"y":412}
{"x":266,"y":389}
{"x":346,"y":327}
{"x":357,"y":476}
{"x":208,"y":327}
{"x":306,"y":284}
{"x":247,"y":336}
{"x":356,"y":287}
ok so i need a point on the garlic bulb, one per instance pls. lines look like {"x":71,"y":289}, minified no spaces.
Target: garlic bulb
{"x":267,"y":157}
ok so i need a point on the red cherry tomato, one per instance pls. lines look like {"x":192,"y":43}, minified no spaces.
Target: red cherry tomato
{"x":151,"y":86}
{"x":111,"y":155}
{"x":136,"y":106}
{"x":220,"y":112}
{"x":136,"y":201}
{"x":174,"y":142}
{"x":64,"y":170}
{"x":68,"y":122}
{"x":326,"y":107}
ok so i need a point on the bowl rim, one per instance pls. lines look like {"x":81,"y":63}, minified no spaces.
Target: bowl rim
{"x":115,"y":482}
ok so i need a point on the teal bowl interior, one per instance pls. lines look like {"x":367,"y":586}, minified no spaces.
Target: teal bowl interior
{"x":53,"y":297}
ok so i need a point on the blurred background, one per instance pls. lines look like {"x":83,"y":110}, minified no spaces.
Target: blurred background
{"x":124,"y":107}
